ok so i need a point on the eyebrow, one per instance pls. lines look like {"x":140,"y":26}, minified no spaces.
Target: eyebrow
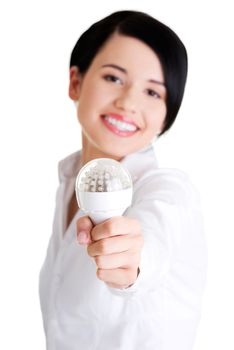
{"x":123,"y":70}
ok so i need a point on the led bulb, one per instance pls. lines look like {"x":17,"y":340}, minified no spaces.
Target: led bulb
{"x":103,"y":189}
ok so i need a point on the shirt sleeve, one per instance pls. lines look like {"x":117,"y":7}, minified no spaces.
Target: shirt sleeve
{"x":169,"y":210}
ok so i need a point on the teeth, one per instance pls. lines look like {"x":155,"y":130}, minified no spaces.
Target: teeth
{"x":119,"y":124}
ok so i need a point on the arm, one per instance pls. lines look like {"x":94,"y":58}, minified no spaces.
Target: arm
{"x":171,"y":224}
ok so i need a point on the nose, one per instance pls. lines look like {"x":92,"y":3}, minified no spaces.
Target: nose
{"x":126,"y":101}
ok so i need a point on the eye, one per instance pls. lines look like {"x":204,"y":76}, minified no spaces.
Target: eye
{"x":153,"y":93}
{"x":112,"y":78}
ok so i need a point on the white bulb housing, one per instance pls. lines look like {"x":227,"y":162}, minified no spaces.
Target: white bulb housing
{"x":103,"y":189}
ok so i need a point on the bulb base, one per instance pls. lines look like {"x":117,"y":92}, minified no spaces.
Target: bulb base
{"x":93,"y":201}
{"x":110,"y":203}
{"x":99,"y":216}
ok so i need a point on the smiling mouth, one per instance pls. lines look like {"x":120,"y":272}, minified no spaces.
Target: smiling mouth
{"x":119,"y":126}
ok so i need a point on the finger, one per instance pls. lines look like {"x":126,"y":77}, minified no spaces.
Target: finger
{"x":84,"y":226}
{"x":125,"y":260}
{"x":115,"y":244}
{"x":122,"y":278}
{"x":117,"y":225}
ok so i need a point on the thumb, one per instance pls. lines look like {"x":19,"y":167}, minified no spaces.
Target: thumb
{"x":84,"y":226}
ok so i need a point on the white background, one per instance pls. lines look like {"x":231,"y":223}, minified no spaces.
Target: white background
{"x":39,"y":127}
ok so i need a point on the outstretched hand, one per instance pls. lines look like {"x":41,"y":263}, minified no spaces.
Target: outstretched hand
{"x":115,"y":245}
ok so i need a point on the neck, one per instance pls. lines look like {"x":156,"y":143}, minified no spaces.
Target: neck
{"x":90,"y":152}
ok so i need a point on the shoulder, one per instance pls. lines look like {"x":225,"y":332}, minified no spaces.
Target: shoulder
{"x":68,"y":167}
{"x":170,"y":185}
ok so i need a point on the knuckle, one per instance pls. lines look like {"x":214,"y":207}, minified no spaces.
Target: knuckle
{"x":103,"y":246}
{"x":109,"y":226}
{"x":93,"y":234}
{"x":99,"y":261}
{"x":99,"y":274}
{"x":112,"y":224}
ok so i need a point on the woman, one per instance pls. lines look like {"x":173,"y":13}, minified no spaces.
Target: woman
{"x":135,"y":281}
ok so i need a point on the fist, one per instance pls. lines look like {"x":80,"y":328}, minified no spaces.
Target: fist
{"x":116,"y":246}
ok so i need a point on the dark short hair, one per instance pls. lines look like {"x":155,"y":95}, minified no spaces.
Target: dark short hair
{"x":164,"y":42}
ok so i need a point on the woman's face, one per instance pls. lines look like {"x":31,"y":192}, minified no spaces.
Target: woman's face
{"x":121,"y":98}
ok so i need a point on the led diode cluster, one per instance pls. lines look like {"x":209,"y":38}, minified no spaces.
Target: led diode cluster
{"x":103,"y":189}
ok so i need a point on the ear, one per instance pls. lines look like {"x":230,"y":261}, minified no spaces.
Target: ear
{"x":74,"y":83}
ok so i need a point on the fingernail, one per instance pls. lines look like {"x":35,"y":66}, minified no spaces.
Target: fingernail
{"x":82,"y":237}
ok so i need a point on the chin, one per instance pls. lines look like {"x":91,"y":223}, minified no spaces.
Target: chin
{"x":121,"y":153}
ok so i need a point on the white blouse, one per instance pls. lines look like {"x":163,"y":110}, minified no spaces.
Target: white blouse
{"x":162,"y":309}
